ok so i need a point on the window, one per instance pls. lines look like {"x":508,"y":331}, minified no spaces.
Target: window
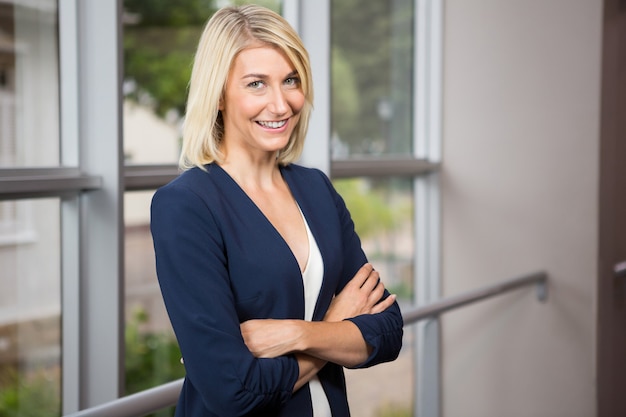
{"x":29,"y":95}
{"x":63,"y":235}
{"x":382,"y":142}
{"x":30,"y":229}
{"x":371,"y":78}
{"x":384,"y":149}
{"x":59,"y":341}
{"x":382,"y":210}
{"x":30,"y":311}
{"x":371,"y":119}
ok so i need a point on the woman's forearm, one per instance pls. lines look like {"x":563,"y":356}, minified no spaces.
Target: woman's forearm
{"x":309,"y":367}
{"x":338,"y":342}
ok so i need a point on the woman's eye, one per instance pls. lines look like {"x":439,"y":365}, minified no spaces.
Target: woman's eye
{"x":292,"y":81}
{"x":256,"y":84}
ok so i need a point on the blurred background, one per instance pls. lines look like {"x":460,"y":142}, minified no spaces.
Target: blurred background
{"x":473,"y":141}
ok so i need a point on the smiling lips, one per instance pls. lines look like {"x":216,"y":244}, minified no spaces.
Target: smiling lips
{"x":273,"y":125}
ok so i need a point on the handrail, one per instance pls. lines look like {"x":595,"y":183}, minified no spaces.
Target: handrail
{"x":166,"y":395}
{"x":136,"y":405}
{"x":451,"y":303}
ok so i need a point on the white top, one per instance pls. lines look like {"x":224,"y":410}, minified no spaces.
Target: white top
{"x":312,"y":279}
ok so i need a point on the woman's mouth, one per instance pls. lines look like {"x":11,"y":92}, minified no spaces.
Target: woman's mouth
{"x":272,"y":125}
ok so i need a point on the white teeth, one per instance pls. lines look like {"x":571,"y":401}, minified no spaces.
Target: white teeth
{"x":273,"y":125}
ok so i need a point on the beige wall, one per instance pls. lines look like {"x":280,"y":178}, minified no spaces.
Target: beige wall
{"x":520,"y":184}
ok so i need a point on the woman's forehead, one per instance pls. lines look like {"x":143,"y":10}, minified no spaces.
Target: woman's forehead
{"x":262,"y":58}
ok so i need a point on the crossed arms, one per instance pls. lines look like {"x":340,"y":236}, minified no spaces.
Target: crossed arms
{"x":334,"y":339}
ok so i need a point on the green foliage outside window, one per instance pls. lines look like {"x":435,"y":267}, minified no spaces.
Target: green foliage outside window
{"x":370,"y":212}
{"x":369,"y":207}
{"x":33,"y":395}
{"x":379,"y":209}
{"x":152,"y":359}
{"x":160,"y":39}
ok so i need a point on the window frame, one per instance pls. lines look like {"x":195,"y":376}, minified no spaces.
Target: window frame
{"x":423,"y":165}
{"x":89,"y":181}
{"x":92,"y":179}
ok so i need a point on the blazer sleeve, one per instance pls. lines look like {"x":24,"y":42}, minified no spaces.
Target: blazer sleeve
{"x":382,"y":331}
{"x":192,"y":269}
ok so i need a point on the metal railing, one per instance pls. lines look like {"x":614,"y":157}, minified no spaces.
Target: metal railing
{"x":166,"y":395}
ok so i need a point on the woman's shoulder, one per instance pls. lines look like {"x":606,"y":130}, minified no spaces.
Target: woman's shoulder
{"x":201,"y":182}
{"x":197,"y":177}
{"x":306,"y":183}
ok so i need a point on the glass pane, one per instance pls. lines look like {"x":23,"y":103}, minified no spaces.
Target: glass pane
{"x":372,"y":72}
{"x":159,"y":44}
{"x":152,"y":354}
{"x":30,"y":308}
{"x":29,"y":84}
{"x":382,"y":211}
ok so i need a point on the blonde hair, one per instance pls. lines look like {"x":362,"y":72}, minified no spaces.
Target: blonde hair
{"x":226,"y":34}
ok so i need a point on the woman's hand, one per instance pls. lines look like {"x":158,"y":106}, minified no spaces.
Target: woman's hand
{"x":360,"y":296}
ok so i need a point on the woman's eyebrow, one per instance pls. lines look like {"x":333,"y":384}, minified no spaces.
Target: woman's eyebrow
{"x":254,"y":75}
{"x":264,"y":76}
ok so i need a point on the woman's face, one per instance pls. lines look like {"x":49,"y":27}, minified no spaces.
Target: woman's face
{"x":262,"y":102}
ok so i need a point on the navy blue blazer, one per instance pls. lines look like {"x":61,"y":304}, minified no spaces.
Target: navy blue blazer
{"x":221,"y":262}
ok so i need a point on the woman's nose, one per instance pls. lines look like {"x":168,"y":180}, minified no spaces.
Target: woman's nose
{"x":278,"y":102}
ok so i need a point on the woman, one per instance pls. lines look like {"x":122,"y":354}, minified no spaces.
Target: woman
{"x":264,"y":279}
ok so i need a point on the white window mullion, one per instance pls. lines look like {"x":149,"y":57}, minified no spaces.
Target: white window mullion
{"x":70,"y":218}
{"x":101,"y":211}
{"x":315,"y":33}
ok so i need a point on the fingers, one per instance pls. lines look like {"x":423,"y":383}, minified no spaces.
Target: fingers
{"x":384,"y":304}
{"x":376,"y":293}
{"x":372,"y":281}
{"x":362,"y":275}
{"x":376,"y":289}
{"x":366,"y":278}
{"x":367,"y":282}
{"x":362,"y":295}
